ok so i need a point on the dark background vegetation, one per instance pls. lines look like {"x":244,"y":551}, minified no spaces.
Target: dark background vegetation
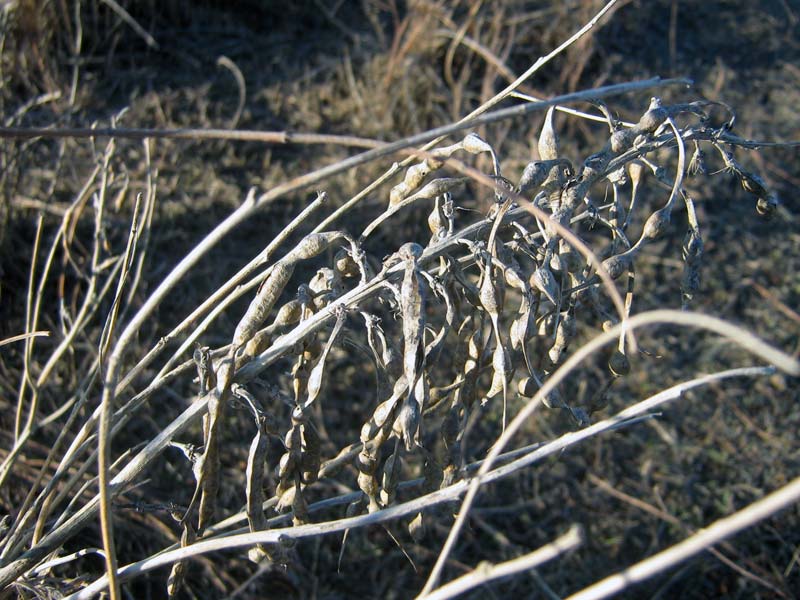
{"x":386,"y":69}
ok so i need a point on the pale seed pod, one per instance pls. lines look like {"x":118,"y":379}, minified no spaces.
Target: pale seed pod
{"x":515,"y":280}
{"x":752,"y":183}
{"x":657,"y":224}
{"x":262,"y":304}
{"x":178,"y":572}
{"x":384,"y":410}
{"x":437,"y":222}
{"x":565,"y":333}
{"x":286,"y":495}
{"x":473,"y":144}
{"x":501,"y":372}
{"x":406,"y":425}
{"x":315,"y":377}
{"x":314,"y":244}
{"x":520,"y":327}
{"x":366,"y":463}
{"x":415,"y":175}
{"x":542,"y":279}
{"x":344,"y":265}
{"x":546,"y":324}
{"x":635,"y":173}
{"x":548,"y":139}
{"x":416,"y":528}
{"x":437,"y":187}
{"x":286,"y":465}
{"x":529,"y":386}
{"x":289,"y":314}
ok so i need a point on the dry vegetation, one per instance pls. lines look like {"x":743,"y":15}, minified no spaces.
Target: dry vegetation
{"x":288,"y":364}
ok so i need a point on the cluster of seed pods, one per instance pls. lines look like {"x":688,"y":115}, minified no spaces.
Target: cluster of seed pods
{"x":452,"y":320}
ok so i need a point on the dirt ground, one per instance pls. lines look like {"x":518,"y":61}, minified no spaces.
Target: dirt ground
{"x":385,"y":69}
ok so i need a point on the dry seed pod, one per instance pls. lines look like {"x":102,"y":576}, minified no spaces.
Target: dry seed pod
{"x":554,"y":400}
{"x":520,"y":327}
{"x":565,"y":333}
{"x":344,"y":264}
{"x":289,"y":314}
{"x":752,"y":183}
{"x":205,"y":369}
{"x":653,"y":118}
{"x":473,"y":144}
{"x":622,"y":140}
{"x":548,"y":140}
{"x":178,"y":572}
{"x":389,"y":477}
{"x":254,"y":491}
{"x":437,"y":222}
{"x":527,"y":387}
{"x":657,"y":224}
{"x":384,"y":410}
{"x":542,"y":279}
{"x":437,"y":187}
{"x":692,"y":249}
{"x":314,"y":383}
{"x":366,"y":463}
{"x":414,"y":177}
{"x":314,"y":244}
{"x":406,"y":425}
{"x":533,"y":176}
{"x":619,"y":264}
{"x":413,"y":311}
{"x":299,"y":509}
{"x":570,"y":259}
{"x":286,"y":494}
{"x":767,"y":205}
{"x":262,"y":304}
{"x":311,"y":455}
{"x":618,"y":364}
{"x":416,"y":528}
{"x":515,"y":280}
{"x":501,"y":373}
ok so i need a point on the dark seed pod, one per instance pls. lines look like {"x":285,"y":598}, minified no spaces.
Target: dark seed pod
{"x":766,"y":206}
{"x":527,"y":387}
{"x":617,"y":265}
{"x":653,"y":118}
{"x":618,"y":364}
{"x":621,"y":140}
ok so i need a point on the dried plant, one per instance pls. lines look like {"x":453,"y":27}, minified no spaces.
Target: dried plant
{"x":473,"y":322}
